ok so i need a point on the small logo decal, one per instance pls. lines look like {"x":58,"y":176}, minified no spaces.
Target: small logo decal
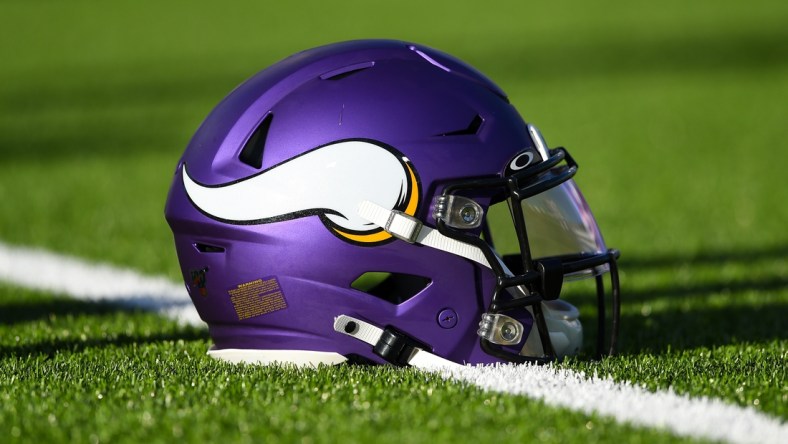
{"x":520,"y":161}
{"x":198,"y":280}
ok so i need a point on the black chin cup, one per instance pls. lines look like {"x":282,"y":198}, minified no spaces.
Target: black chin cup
{"x":533,"y":281}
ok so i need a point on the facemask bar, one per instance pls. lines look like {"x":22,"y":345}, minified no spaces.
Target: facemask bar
{"x":534,"y":281}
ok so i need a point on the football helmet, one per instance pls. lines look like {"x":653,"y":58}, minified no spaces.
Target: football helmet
{"x":380,"y":201}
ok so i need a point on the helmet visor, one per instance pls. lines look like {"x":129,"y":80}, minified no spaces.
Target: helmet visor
{"x":560,"y":223}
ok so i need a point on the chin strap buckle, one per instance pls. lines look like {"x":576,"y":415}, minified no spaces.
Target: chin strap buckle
{"x":403,"y":226}
{"x":395,"y":347}
{"x":391,"y":344}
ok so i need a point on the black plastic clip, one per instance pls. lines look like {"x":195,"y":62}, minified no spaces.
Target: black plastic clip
{"x":552,"y":273}
{"x":396,"y":347}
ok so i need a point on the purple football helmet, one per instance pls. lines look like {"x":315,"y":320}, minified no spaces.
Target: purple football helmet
{"x":379,"y":201}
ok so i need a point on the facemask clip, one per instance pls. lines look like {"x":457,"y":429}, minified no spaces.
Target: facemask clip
{"x":458,"y":212}
{"x":552,"y":272}
{"x":500,"y":329}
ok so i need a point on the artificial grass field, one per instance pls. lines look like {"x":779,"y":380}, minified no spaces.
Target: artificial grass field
{"x":675,"y":111}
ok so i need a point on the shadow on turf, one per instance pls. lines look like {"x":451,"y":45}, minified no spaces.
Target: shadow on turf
{"x":110,"y":92}
{"x":26,"y":311}
{"x":110,"y":96}
{"x":75,"y":345}
{"x":687,"y":290}
{"x":52,"y":310}
{"x":705,"y":257}
{"x":709,"y":326}
{"x":753,"y":50}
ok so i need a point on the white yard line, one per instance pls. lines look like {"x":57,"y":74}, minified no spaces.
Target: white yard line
{"x":43,"y":270}
{"x":694,"y":417}
{"x":697,"y":417}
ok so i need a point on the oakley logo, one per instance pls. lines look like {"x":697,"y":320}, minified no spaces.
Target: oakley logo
{"x":519,"y":162}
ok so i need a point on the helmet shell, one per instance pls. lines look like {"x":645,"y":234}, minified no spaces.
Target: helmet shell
{"x":451,"y":123}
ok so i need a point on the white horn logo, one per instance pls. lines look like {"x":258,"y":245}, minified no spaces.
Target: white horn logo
{"x":330,"y":182}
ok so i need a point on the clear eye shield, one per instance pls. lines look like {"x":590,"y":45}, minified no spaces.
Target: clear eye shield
{"x":560,"y":224}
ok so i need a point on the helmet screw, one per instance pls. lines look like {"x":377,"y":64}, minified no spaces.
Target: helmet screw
{"x":508,"y":331}
{"x":447,"y":318}
{"x":468,"y":214}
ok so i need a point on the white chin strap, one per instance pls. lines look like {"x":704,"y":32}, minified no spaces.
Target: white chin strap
{"x":411,"y":230}
{"x":372,"y":335}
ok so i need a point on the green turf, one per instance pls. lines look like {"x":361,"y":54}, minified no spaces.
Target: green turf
{"x":675,"y":111}
{"x":77,"y":371}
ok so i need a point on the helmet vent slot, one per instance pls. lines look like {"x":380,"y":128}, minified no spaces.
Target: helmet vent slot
{"x":426,"y":57}
{"x":252,"y":153}
{"x":207,"y":248}
{"x":347,"y":71}
{"x":470,"y":130}
{"x":392,"y":287}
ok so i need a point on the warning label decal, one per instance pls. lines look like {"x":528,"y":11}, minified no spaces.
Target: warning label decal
{"x":257,"y":298}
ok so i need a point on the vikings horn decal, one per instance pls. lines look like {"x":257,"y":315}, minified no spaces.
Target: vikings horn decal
{"x":330,"y":181}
